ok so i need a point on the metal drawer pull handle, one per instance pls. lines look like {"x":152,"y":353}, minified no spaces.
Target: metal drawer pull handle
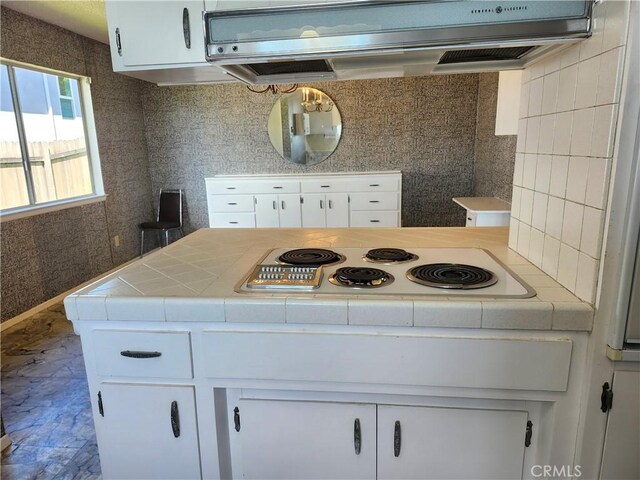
{"x":233,"y":223}
{"x":469,"y":218}
{"x":330,"y":204}
{"x":275,"y":205}
{"x":374,"y":201}
{"x":397,"y":439}
{"x":232,"y":203}
{"x":374,"y":185}
{"x":528,"y":434}
{"x":186,"y":29}
{"x":321,"y":204}
{"x":325,"y":186}
{"x":374,"y":221}
{"x":278,"y":188}
{"x":283,"y":205}
{"x":175,"y":419}
{"x":100,"y":406}
{"x":118,"y":42}
{"x":138,"y":354}
{"x":357,"y":436}
{"x":231,"y":188}
{"x":236,"y":419}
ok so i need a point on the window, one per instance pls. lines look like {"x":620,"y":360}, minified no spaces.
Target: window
{"x":48,"y":152}
{"x":66,"y":97}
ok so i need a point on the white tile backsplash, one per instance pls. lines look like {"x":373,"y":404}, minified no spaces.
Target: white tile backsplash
{"x":577,"y":179}
{"x":543,"y":173}
{"x":566,"y":132}
{"x":581,"y":132}
{"x":559,"y":171}
{"x":539,"y":214}
{"x":610,"y":77}
{"x":591,"y":240}
{"x":526,"y":206}
{"x":555,"y":214}
{"x":586,"y":278}
{"x":587,"y":83}
{"x":550,"y":255}
{"x":562,"y":133}
{"x":567,"y":83}
{"x":572,"y":224}
{"x":603,"y":131}
{"x":536,"y":245}
{"x":550,"y":93}
{"x":533,"y":134}
{"x":535,"y":96}
{"x":567,"y":267}
{"x":547,"y":128}
{"x":597,"y":182}
{"x":529,"y":170}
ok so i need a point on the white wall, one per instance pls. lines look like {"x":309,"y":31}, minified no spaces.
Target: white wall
{"x":568,"y":117}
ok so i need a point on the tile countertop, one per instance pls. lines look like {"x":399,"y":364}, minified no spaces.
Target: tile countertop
{"x":193,"y":279}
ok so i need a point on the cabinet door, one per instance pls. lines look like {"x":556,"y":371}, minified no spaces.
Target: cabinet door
{"x":159,"y":33}
{"x":302,"y":440}
{"x":622,"y":440}
{"x":443,"y":443}
{"x":290,"y":214}
{"x":143,"y":434}
{"x":267,"y":211}
{"x":313,"y":210}
{"x":337,"y":210}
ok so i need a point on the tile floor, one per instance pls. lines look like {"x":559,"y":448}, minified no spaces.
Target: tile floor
{"x":45,"y":402}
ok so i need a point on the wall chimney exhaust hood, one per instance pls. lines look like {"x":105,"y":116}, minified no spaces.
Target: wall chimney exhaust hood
{"x":374,"y":39}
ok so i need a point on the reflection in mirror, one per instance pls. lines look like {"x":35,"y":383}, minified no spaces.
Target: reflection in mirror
{"x":305,"y":126}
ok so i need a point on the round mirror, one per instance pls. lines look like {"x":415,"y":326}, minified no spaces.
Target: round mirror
{"x":305,"y":126}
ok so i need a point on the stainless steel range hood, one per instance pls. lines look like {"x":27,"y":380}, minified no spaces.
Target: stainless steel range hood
{"x":369,"y":39}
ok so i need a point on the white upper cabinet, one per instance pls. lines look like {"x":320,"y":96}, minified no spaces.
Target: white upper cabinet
{"x":156,"y":33}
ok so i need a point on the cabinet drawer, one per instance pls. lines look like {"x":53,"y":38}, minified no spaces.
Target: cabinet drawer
{"x":374,"y":219}
{"x":231,"y":203}
{"x":121,"y":353}
{"x":232,"y":186}
{"x":374,"y":184}
{"x":232,"y":220}
{"x":341,"y":185}
{"x":374,"y":201}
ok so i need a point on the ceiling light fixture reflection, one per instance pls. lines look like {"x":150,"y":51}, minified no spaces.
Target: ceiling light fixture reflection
{"x":275,"y":89}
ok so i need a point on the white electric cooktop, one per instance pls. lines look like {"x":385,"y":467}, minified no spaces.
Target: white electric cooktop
{"x":470,"y":272}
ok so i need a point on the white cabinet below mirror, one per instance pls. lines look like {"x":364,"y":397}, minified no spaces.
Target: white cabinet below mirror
{"x":316,"y":201}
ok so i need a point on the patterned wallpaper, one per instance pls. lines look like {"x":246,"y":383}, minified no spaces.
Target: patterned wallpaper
{"x":424,"y":126}
{"x":45,"y":255}
{"x":495,"y":155}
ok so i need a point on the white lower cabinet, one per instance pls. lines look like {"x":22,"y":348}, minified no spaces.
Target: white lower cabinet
{"x":442,"y":443}
{"x":312,"y":201}
{"x":303,"y":440}
{"x":147,"y":431}
{"x":319,"y":210}
{"x":278,"y":211}
{"x":284,"y":439}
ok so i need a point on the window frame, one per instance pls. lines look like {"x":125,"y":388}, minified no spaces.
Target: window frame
{"x":91,"y":141}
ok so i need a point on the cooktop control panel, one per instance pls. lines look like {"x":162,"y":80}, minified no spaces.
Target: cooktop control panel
{"x":273,"y":276}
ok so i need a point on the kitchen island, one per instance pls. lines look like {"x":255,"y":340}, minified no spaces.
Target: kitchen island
{"x":193,"y":378}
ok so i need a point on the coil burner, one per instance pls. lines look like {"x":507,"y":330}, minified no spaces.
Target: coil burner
{"x":310,"y":256}
{"x":452,"y":275}
{"x":389,"y":256}
{"x":361,"y":277}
